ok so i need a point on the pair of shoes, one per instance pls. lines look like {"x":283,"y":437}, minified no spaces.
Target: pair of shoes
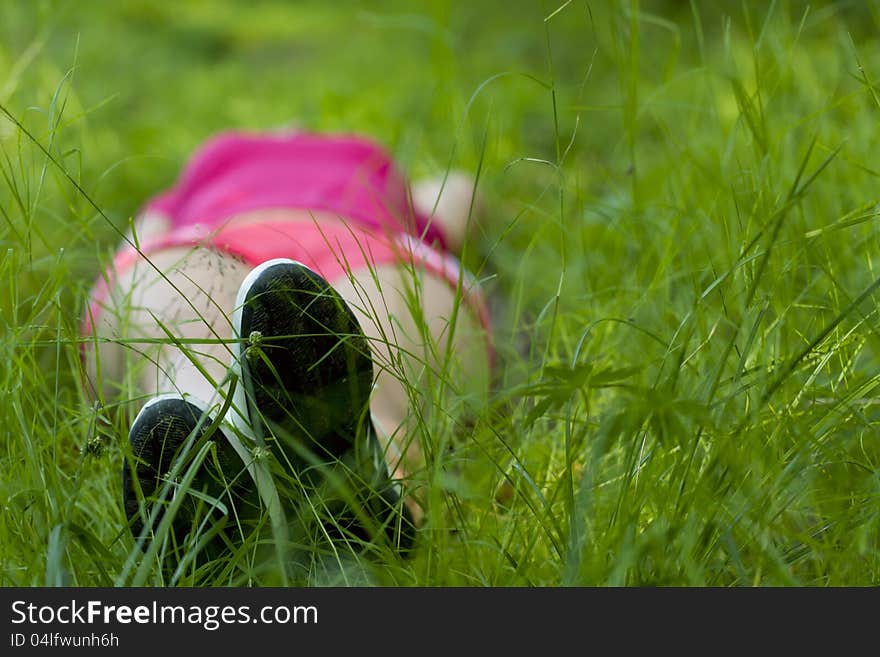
{"x":304,"y":377}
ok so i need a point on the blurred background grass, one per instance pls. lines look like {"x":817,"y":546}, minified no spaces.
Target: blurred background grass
{"x":688,"y":328}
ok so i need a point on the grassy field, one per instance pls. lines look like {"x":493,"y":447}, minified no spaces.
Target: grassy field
{"x":683,"y":217}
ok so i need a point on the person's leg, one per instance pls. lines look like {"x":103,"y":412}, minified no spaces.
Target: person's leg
{"x":163,"y":349}
{"x":166,"y":325}
{"x":174,"y":332}
{"x":146,"y":226}
{"x":424,"y":340}
{"x":421,"y":331}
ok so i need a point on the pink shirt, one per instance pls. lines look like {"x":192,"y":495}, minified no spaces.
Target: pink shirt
{"x":348,"y":175}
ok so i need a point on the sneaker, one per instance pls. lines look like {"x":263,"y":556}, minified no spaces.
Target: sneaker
{"x":305,"y":379}
{"x":166,"y":436}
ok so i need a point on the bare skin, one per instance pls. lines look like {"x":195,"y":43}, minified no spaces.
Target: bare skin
{"x":193,"y":297}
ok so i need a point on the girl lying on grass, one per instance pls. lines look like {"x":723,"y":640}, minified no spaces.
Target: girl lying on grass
{"x":281,"y":314}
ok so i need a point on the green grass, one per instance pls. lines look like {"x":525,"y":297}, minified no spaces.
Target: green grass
{"x":682,"y":233}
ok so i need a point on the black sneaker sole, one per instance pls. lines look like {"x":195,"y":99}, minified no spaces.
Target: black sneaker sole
{"x":304,"y":363}
{"x":306,"y":376}
{"x":167,"y":432}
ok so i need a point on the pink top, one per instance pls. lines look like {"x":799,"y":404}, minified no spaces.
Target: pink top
{"x":348,"y":175}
